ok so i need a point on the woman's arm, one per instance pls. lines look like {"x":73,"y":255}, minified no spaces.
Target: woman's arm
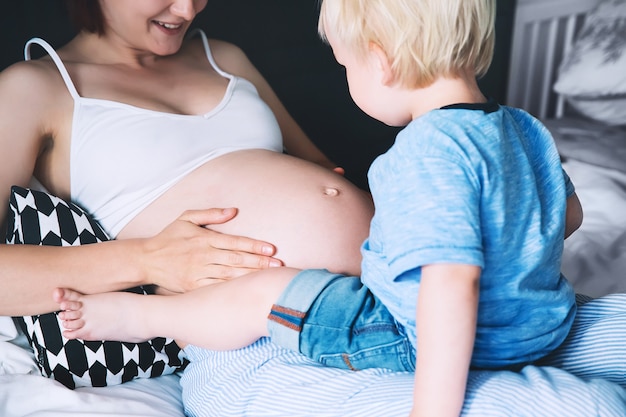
{"x":184,"y":256}
{"x":23,"y":128}
{"x":447,"y":311}
{"x":232,"y":59}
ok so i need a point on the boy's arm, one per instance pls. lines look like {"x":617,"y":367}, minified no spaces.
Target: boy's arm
{"x":573,"y":215}
{"x":446,"y":328}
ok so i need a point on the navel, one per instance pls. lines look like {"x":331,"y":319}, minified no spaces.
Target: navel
{"x":331,"y":191}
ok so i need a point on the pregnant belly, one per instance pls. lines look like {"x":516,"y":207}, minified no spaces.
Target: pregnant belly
{"x":315,"y":218}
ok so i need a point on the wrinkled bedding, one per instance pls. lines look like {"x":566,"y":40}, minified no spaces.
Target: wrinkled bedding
{"x":594,"y":156}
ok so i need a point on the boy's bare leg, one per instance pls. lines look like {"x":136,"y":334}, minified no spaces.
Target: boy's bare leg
{"x":222,"y":316}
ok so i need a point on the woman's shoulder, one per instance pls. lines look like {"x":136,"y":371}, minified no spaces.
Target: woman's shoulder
{"x":33,"y":93}
{"x":38,"y":77}
{"x":228,"y":56}
{"x":222,"y":51}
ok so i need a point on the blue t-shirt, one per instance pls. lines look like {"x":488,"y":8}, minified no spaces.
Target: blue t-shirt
{"x":479,"y":185}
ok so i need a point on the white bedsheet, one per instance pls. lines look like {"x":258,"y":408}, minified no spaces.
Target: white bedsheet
{"x":33,"y":395}
{"x":595,"y":255}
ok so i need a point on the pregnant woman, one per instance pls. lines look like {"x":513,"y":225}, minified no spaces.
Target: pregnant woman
{"x":136,"y":126}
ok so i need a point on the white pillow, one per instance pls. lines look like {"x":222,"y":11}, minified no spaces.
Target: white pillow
{"x":609,"y":109}
{"x":595,"y":67}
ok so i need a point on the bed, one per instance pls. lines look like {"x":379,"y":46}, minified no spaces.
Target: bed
{"x":568,"y":68}
{"x":594,"y":154}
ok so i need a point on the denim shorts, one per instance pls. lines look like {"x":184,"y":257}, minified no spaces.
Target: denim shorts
{"x":336,"y":320}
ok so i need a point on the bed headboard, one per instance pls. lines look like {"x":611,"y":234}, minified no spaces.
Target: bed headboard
{"x":543,"y":32}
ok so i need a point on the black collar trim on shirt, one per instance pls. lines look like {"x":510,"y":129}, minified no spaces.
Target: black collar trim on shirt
{"x":489,"y":106}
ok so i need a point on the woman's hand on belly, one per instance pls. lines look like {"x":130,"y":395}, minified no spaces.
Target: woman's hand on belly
{"x":186,"y":255}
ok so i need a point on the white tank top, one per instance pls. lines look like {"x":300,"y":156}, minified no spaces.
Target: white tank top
{"x":124,"y":157}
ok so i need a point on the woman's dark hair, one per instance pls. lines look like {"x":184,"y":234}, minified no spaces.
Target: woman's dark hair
{"x":86,"y":15}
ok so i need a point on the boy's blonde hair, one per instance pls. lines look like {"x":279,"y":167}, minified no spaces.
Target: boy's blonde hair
{"x":423,"y":39}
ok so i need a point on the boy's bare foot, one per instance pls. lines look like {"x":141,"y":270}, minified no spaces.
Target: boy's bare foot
{"x":107,"y":316}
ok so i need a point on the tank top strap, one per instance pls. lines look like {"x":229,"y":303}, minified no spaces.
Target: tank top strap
{"x":207,"y":50}
{"x":57,"y":60}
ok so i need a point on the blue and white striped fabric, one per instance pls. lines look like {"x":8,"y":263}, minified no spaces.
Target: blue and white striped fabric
{"x":266,"y":380}
{"x":596,"y":345}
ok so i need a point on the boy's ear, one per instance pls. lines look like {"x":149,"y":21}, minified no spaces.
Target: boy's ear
{"x":384,"y":65}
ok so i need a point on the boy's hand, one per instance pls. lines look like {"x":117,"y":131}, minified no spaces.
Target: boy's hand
{"x":339,"y":170}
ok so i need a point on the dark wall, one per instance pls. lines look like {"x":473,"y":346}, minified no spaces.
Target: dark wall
{"x":280,"y":37}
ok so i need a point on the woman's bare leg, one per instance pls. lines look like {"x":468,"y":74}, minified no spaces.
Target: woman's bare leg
{"x":226,"y":315}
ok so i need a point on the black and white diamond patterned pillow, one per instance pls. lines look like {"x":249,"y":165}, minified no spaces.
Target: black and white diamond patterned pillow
{"x":38,"y":218}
